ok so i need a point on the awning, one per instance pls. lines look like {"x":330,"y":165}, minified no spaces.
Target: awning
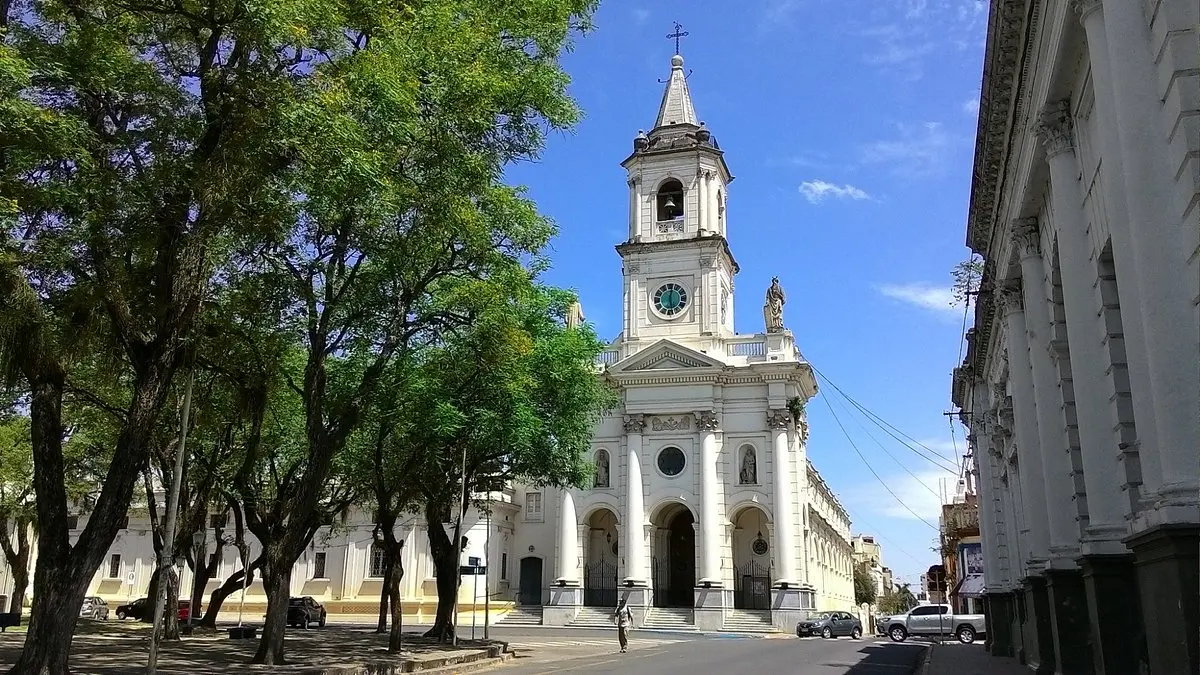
{"x":970,"y":586}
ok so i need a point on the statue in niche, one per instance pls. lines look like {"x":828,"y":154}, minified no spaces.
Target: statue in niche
{"x":749,"y":472}
{"x":773,"y":309}
{"x":602,"y":470}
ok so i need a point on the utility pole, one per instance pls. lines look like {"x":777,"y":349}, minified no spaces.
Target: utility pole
{"x":458,"y":546}
{"x":487,"y":569}
{"x":167,"y":559}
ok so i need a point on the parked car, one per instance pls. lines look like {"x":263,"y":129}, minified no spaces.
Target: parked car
{"x":830,"y":625}
{"x":142,"y":609}
{"x":932,"y":620}
{"x":94,"y":608}
{"x":305,"y":611}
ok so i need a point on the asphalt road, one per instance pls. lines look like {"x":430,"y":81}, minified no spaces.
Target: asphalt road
{"x":671,"y":654}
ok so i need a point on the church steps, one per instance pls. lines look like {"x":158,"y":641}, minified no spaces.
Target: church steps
{"x":749,"y":621}
{"x":522,"y":615}
{"x":594,"y":617}
{"x":670,"y":618}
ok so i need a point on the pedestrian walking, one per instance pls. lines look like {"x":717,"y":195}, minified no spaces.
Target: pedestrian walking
{"x":624,"y":619}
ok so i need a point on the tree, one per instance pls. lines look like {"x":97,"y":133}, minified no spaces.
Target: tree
{"x":17,"y":513}
{"x":864,"y":585}
{"x":897,"y":601}
{"x":515,"y":397}
{"x":141,"y":144}
{"x":967,"y":275}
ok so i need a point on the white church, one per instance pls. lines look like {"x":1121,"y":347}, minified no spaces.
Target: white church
{"x":706,"y":512}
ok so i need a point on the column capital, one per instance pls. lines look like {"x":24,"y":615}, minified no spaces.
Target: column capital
{"x":778,"y":419}
{"x":707,"y":420}
{"x":1084,"y":8}
{"x":1008,"y":298}
{"x":1027,"y":237}
{"x":1055,"y":129}
{"x":635,"y":424}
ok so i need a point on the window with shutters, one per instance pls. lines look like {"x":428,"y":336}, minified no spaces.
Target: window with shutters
{"x":319,"y":565}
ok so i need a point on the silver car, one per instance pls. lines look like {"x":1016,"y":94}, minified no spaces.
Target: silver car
{"x":94,"y":608}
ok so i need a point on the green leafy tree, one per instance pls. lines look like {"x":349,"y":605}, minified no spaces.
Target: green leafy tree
{"x":967,"y":275}
{"x":897,"y":601}
{"x":514,"y":397}
{"x":864,"y":585}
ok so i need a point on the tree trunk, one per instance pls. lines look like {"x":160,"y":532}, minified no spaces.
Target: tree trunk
{"x":232,"y":585}
{"x":20,"y":572}
{"x":52,"y":621}
{"x":445,"y":567}
{"x":171,"y":611}
{"x":395,"y":573}
{"x":277,"y":581}
{"x":384,"y":598}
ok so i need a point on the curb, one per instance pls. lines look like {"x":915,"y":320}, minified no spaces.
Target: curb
{"x":924,"y":661}
{"x":477,"y":659}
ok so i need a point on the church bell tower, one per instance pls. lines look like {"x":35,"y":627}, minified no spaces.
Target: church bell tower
{"x":678,"y":269}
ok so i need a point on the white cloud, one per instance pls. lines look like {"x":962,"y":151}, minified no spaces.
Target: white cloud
{"x":971,"y":106}
{"x":916,"y":151}
{"x":931,"y":297}
{"x":906,"y":33}
{"x":777,"y":14}
{"x":815,"y":191}
{"x":640,"y":16}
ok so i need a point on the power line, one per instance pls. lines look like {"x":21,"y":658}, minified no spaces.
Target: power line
{"x":889,"y":454}
{"x":889,"y":429}
{"x":869,"y":468}
{"x":892,"y":543}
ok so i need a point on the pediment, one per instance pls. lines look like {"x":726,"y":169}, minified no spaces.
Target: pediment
{"x":666,"y":355}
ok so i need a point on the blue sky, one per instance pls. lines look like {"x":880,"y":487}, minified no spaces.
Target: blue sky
{"x":849,"y":125}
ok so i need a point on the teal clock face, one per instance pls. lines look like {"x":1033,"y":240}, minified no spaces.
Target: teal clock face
{"x":670,"y":299}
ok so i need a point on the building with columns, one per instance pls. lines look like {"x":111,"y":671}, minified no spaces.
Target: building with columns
{"x":706,"y":510}
{"x":1081,"y":385}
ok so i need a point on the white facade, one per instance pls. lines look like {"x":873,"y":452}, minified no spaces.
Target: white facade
{"x":1081,"y":385}
{"x":705,"y":498}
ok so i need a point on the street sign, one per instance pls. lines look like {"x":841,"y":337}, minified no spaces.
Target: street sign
{"x":466,"y":570}
{"x":474,"y":561}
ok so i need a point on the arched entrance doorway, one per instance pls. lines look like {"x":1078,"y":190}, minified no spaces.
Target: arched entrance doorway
{"x":674,"y":564}
{"x":751,"y":559}
{"x":600,"y":572}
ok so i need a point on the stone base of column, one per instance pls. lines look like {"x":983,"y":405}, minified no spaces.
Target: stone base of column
{"x":1167,"y":558}
{"x":1114,"y":616}
{"x":565,"y":601}
{"x":709,"y":607}
{"x":1069,"y":621}
{"x":1037,"y":635}
{"x":790,"y":603}
{"x":1001,"y":614}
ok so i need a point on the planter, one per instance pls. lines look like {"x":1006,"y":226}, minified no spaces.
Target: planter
{"x":242,"y":633}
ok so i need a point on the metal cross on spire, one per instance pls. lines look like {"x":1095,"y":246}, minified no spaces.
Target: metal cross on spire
{"x":679,"y":32}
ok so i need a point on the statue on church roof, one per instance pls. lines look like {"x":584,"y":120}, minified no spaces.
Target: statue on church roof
{"x":575,"y":315}
{"x":773,"y":309}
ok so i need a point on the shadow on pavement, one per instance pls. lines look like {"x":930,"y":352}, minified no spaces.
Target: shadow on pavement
{"x":893,"y":659}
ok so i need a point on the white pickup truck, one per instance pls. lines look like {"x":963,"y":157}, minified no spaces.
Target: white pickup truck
{"x":932,"y":620}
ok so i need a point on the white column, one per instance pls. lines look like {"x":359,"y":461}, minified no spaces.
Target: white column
{"x":568,"y":540}
{"x":710,"y":519}
{"x":785,"y":546}
{"x":633,"y":209}
{"x":714,"y":220}
{"x":1120,"y":229}
{"x":1025,"y":423}
{"x":1051,"y":425}
{"x":1106,"y":522}
{"x":987,"y":513}
{"x":701,"y":202}
{"x":1170,"y":331}
{"x":635,"y":513}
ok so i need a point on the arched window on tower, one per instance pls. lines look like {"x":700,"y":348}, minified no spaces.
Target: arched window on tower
{"x":670,"y":201}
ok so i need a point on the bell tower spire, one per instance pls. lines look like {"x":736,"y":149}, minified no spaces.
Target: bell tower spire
{"x":676,"y":105}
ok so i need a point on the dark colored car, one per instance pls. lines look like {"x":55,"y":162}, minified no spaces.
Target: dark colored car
{"x":829,"y":625}
{"x":142,"y":609}
{"x":304,"y":612}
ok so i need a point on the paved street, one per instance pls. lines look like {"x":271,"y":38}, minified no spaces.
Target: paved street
{"x":671,"y":654}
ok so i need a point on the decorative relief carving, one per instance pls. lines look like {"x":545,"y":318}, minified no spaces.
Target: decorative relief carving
{"x":706,"y":261}
{"x":669,"y":226}
{"x":1055,"y":130}
{"x":633,"y":268}
{"x":681,"y":423}
{"x":1027,"y":237}
{"x":1008,"y":298}
{"x":778,"y":419}
{"x":707,"y":420}
{"x":635,"y":424}
{"x":802,"y":429}
{"x":1084,"y":8}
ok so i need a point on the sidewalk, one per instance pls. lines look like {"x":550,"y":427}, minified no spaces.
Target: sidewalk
{"x":952,"y":658}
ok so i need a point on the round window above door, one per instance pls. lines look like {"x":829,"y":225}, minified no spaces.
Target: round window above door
{"x":669,"y":300}
{"x":671,"y":461}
